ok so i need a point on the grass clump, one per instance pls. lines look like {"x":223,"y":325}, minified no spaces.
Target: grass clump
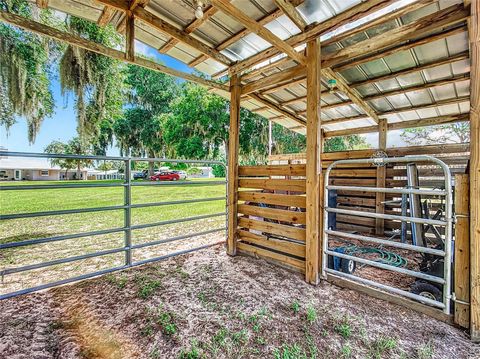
{"x":346,"y":351}
{"x":119,"y":281}
{"x":147,"y":286}
{"x":381,"y":346}
{"x":426,"y":351}
{"x":191,"y":353}
{"x":289,"y":352}
{"x":295,"y":307}
{"x":311,"y":315}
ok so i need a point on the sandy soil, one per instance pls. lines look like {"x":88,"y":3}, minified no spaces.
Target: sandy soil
{"x":209,"y":305}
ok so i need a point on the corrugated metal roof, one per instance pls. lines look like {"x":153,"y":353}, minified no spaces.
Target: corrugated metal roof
{"x":221,"y":27}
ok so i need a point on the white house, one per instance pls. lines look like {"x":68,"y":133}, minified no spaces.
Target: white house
{"x":207,"y":172}
{"x":34,"y":169}
{"x":94,"y":174}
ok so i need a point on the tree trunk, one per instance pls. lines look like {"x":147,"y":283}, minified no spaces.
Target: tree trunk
{"x":151,"y":165}
{"x":79,"y":172}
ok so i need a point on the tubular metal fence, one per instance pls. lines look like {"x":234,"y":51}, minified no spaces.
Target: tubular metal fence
{"x":127,"y":227}
{"x":446,"y":222}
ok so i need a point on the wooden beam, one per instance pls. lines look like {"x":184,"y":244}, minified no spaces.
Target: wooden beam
{"x":462,"y":251}
{"x":277,"y":108}
{"x":42,"y":4}
{"x":195,"y":24}
{"x":433,"y":121}
{"x":474,"y":37}
{"x":381,"y":177}
{"x":291,"y":12}
{"x":457,"y":78}
{"x":425,"y":25}
{"x":314,"y":167}
{"x":106,"y":16}
{"x":240,"y":16}
{"x":78,"y":41}
{"x":130,"y":36}
{"x":411,"y":70}
{"x":232,"y":153}
{"x":271,"y":80}
{"x":154,"y":21}
{"x":399,"y":48}
{"x":354,"y":13}
{"x":352,"y":94}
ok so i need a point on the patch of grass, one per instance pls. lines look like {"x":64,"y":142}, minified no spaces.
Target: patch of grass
{"x":240,"y":337}
{"x":148,"y":330}
{"x":289,"y":352}
{"x":311,"y":315}
{"x":344,"y":330}
{"x":191,"y":353}
{"x":261,"y":340}
{"x":381,"y":346}
{"x":120,"y":281}
{"x":147,"y":286}
{"x":184,"y":275}
{"x":426,"y":351}
{"x":295,"y":307}
{"x":166,"y":321}
{"x":220,"y":337}
{"x":155,"y":353}
{"x":346,"y":351}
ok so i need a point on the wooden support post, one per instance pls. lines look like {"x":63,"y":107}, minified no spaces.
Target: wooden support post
{"x":130,"y":36}
{"x":314,"y":167}
{"x":233,"y":148}
{"x":462,"y":252}
{"x":474,"y":32}
{"x":381,"y":177}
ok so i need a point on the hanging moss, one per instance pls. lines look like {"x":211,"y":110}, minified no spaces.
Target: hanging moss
{"x":24,"y":69}
{"x":95,"y":80}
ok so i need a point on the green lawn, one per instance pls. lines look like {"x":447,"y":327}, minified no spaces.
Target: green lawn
{"x":24,"y":201}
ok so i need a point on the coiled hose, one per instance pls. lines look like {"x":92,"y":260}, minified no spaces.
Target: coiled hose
{"x":384,"y":256}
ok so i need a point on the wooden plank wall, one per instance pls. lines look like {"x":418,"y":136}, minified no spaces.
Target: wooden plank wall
{"x":271,"y":207}
{"x":456,"y":156}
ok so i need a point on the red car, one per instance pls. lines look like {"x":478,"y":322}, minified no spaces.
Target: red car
{"x":165,"y":176}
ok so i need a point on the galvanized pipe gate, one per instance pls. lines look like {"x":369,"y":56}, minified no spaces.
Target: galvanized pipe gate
{"x":127,"y":228}
{"x":446,"y":222}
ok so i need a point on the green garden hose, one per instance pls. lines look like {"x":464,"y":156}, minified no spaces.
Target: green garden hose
{"x":384,"y":256}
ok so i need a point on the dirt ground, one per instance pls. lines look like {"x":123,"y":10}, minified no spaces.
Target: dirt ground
{"x":209,"y":305}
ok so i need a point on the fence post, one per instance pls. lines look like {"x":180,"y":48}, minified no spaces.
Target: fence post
{"x":128,"y":212}
{"x":462,"y":251}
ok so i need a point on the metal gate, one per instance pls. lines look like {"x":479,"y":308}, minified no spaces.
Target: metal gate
{"x":415,"y":219}
{"x":127,"y":184}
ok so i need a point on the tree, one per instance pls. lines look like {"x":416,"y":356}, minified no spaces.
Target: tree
{"x":286,"y":141}
{"x":25,"y":65}
{"x":456,"y":132}
{"x":73,"y":147}
{"x":198,"y":127}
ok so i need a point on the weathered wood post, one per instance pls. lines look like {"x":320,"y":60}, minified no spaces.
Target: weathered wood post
{"x":381,"y":176}
{"x":313,"y":167}
{"x":233,"y":148}
{"x":462,"y":252}
{"x":474,"y":32}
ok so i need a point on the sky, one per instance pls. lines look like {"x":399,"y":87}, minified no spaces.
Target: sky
{"x":63,"y":124}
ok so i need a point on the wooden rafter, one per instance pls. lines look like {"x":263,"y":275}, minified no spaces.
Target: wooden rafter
{"x":410,"y":70}
{"x":238,"y":15}
{"x":237,"y":36}
{"x":154,"y":21}
{"x":106,"y":16}
{"x":352,"y":94}
{"x":402,"y":125}
{"x":42,"y":4}
{"x":78,"y":41}
{"x":195,"y":24}
{"x":292,"y":13}
{"x":356,"y":12}
{"x":291,"y":73}
{"x":424,"y":86}
{"x":277,"y":108}
{"x":425,"y":25}
{"x":132,"y":5}
{"x":398,"y":48}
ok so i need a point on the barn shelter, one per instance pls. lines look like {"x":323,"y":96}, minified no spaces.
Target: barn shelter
{"x":326,"y":69}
